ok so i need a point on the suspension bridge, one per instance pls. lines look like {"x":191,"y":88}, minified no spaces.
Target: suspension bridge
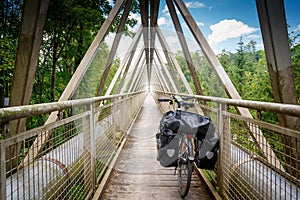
{"x":105,"y":146}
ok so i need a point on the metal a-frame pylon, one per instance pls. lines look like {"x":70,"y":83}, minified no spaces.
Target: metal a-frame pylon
{"x":146,"y":68}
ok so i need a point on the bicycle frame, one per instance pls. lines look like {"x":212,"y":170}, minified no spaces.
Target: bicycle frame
{"x":185,"y":153}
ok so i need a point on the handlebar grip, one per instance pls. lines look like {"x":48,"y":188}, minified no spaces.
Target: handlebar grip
{"x":164,"y":100}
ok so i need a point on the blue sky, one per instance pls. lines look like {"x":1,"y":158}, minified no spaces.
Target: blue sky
{"x":222,"y":22}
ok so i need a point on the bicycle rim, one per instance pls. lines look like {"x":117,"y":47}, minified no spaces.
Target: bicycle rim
{"x":185,"y":169}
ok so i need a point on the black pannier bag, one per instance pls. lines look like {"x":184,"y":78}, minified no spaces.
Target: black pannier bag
{"x":171,"y":121}
{"x":196,"y":124}
{"x":207,"y":156}
{"x":167,"y":148}
{"x":186,"y":122}
{"x":167,"y":139}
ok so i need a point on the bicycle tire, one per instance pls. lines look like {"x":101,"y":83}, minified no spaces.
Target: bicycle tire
{"x":185,"y":168}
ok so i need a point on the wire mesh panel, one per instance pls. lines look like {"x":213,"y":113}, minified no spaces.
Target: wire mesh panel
{"x":111,"y":130}
{"x":55,"y":169}
{"x":257,"y":159}
{"x":63,"y":160}
{"x":247,"y":171}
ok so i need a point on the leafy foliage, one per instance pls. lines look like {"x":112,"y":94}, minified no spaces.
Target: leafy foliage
{"x":10,"y":12}
{"x":295,"y":51}
{"x":70,"y":28}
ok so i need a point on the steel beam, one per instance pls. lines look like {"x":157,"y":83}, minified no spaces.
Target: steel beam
{"x":174,"y":84}
{"x":225,"y":80}
{"x":171,"y":56}
{"x":89,"y":55}
{"x":184,"y":46}
{"x":135,"y":71}
{"x":114,"y":47}
{"x":76,"y":78}
{"x":275,"y":37}
{"x":161,"y":77}
{"x":29,"y":42}
{"x":167,"y":56}
{"x":154,"y":7}
{"x":144,"y":7}
{"x":127,"y":59}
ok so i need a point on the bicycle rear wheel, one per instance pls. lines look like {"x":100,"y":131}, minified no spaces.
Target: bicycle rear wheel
{"x":185,"y":167}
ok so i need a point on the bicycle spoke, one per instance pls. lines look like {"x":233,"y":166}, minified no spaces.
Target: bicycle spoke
{"x":184,"y":167}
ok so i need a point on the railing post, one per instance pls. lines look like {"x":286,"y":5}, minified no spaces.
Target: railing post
{"x":3,"y":172}
{"x":89,"y":168}
{"x":92,"y":147}
{"x":224,"y":173}
{"x":220,"y":122}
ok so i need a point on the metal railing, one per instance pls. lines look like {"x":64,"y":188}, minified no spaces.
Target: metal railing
{"x":77,"y":152}
{"x":258,"y":160}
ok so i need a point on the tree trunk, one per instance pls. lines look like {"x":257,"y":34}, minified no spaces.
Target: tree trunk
{"x":53,"y":77}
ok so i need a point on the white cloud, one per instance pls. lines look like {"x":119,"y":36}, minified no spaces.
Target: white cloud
{"x":139,"y":21}
{"x":173,"y":43}
{"x":227,"y":29}
{"x":200,"y":23}
{"x":297,"y":28}
{"x":163,"y":21}
{"x":165,"y":10}
{"x":111,"y":2}
{"x":195,"y":4}
{"x":253,"y":36}
{"x":136,"y":17}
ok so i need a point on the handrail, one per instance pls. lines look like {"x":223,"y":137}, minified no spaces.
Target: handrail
{"x":253,"y":160}
{"x":82,"y":146}
{"x":17,"y":112}
{"x":280,"y":108}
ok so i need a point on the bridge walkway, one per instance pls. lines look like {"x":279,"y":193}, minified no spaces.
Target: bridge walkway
{"x":137,"y":174}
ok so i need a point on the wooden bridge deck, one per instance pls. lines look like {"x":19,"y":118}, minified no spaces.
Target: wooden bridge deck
{"x":137,"y":173}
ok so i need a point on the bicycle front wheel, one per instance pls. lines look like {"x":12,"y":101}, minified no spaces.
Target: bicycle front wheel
{"x":185,"y":167}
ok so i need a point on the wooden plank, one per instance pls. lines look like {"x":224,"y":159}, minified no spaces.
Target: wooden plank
{"x":137,"y":173}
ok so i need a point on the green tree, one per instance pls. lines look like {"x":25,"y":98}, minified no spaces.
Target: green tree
{"x":295,"y":51}
{"x":10,"y":17}
{"x":69,"y":30}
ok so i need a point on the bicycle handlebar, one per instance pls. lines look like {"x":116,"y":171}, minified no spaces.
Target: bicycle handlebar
{"x":164,"y":100}
{"x":178,"y":100}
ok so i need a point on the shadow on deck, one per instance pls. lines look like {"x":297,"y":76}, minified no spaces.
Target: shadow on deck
{"x":137,"y":173}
